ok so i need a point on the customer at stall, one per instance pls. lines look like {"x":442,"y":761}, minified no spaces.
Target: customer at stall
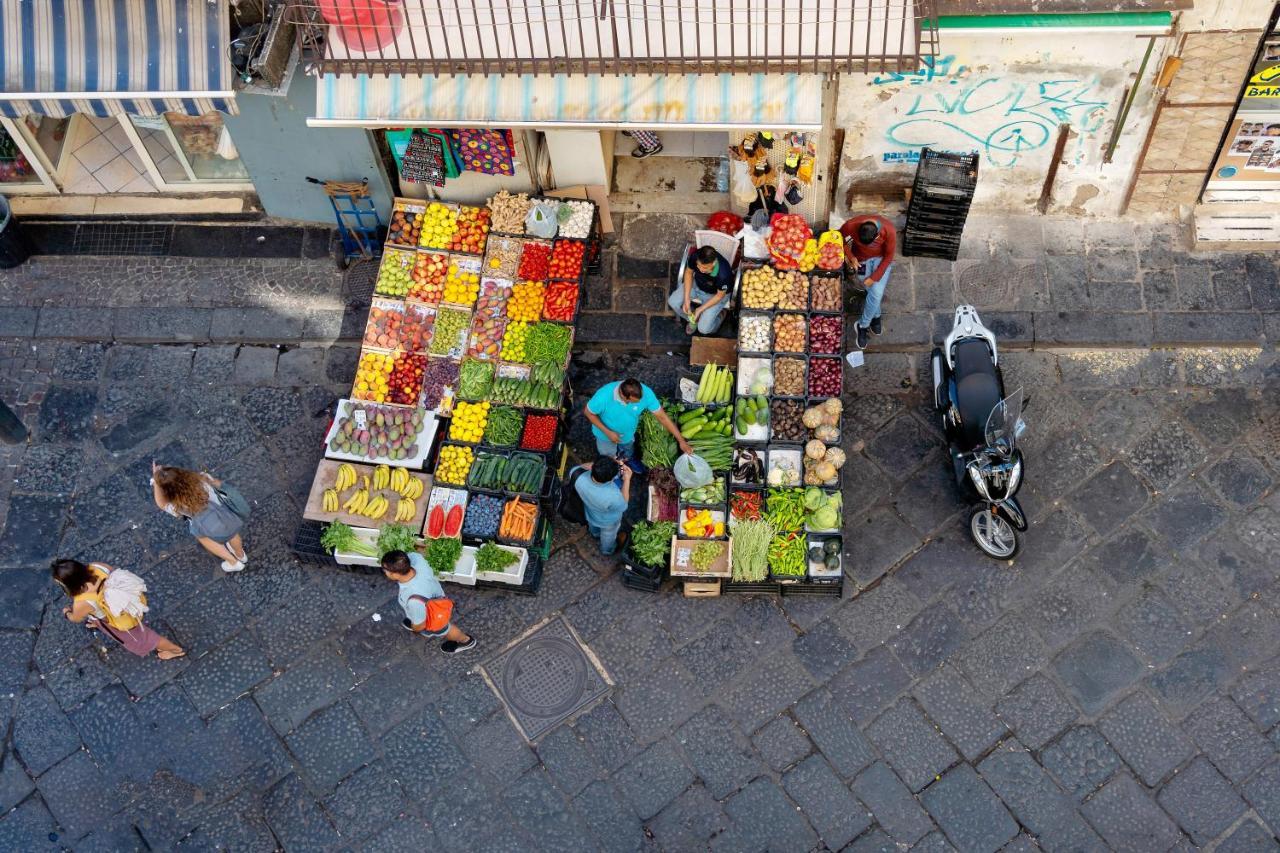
{"x":647,"y":143}
{"x":706,"y":284}
{"x":604,"y":501}
{"x":869,"y":245}
{"x":418,"y":586}
{"x":614,"y":412}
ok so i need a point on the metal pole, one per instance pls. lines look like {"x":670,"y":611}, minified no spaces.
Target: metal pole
{"x":1128,"y":103}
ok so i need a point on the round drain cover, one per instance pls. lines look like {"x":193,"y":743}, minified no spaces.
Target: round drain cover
{"x":545,"y":677}
{"x":358,"y":282}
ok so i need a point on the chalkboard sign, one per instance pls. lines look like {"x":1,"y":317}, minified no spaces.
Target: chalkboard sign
{"x":423,"y":161}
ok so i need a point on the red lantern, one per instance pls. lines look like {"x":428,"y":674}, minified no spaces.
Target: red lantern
{"x":364,"y":25}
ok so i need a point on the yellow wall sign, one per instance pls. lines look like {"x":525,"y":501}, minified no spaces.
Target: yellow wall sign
{"x":1264,"y":84}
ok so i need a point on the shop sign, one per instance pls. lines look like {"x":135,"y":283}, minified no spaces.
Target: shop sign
{"x":1264,"y":84}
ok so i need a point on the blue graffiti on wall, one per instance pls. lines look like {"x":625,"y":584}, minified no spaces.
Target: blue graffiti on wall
{"x":1005,"y":119}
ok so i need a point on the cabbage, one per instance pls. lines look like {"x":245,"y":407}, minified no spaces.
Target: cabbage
{"x":826,"y":518}
{"x":814,"y":498}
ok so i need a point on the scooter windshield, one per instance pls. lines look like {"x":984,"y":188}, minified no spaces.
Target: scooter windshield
{"x":1005,"y":425}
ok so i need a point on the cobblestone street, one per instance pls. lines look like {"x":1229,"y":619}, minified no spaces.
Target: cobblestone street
{"x":1116,"y":686}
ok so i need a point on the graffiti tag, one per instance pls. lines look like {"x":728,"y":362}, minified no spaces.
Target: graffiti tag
{"x":1004,"y":119}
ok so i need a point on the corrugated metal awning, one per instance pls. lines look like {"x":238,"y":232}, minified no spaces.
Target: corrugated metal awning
{"x":691,"y":101}
{"x":107,"y":57}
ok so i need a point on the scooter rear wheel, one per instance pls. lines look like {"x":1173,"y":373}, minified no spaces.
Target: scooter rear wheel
{"x":994,"y":535}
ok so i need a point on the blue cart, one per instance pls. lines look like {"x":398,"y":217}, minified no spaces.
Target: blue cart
{"x":359,"y":226}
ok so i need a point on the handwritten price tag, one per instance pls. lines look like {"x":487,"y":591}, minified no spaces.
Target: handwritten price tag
{"x":362,"y":420}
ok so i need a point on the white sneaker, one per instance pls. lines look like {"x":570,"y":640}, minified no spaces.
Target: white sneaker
{"x":232,"y":567}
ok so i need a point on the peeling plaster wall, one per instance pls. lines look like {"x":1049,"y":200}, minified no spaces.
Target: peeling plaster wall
{"x":1003,"y":95}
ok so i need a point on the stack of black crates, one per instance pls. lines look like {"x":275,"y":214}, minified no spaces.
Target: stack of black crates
{"x":940,"y":199}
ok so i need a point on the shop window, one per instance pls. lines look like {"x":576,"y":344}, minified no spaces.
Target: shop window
{"x":15,"y":168}
{"x":190,"y":149}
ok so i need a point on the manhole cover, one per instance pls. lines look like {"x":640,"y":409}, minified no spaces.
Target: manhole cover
{"x":545,"y":678}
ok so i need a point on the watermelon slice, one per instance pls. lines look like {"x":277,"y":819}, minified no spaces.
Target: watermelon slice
{"x":453,"y":523}
{"x":435,"y":523}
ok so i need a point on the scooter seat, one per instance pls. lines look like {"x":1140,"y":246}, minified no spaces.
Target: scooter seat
{"x":977,"y":390}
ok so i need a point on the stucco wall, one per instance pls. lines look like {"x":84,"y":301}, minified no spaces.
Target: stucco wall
{"x":280,"y":151}
{"x":1005,"y":96}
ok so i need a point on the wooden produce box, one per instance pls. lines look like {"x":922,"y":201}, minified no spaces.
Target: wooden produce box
{"x":326,"y":476}
{"x":682,"y":553}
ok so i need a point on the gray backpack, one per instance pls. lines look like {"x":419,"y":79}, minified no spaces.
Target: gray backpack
{"x":223,"y":516}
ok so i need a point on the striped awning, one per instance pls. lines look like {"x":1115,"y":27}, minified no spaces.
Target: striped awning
{"x":107,"y":57}
{"x":691,"y":101}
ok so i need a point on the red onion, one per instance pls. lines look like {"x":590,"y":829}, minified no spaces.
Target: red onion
{"x":825,"y":334}
{"x":824,"y":377}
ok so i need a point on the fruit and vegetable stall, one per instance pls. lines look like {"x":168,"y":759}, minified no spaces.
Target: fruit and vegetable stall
{"x":452,"y":439}
{"x":768,"y":516}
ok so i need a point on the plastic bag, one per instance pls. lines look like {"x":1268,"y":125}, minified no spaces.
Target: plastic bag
{"x":541,"y":220}
{"x":740,"y":181}
{"x":692,"y":472}
{"x":754,"y":243}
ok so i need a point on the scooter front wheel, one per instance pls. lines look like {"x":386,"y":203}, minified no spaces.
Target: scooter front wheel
{"x":993,"y":534}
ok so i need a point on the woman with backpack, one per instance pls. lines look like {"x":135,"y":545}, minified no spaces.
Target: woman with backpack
{"x":113,"y":601}
{"x":215,"y":511}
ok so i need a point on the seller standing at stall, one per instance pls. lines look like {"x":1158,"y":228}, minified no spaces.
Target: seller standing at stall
{"x":870,"y":242}
{"x":707,"y":280}
{"x":614,"y":412}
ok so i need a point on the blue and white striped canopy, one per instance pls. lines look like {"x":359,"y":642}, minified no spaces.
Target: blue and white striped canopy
{"x":106,"y":57}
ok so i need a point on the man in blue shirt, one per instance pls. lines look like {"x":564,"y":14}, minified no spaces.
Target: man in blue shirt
{"x":614,"y":412}
{"x":418,"y":584}
{"x":604,"y":502}
{"x":707,"y":280}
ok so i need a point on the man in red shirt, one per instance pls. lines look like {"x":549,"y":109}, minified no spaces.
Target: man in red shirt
{"x":869,"y":245}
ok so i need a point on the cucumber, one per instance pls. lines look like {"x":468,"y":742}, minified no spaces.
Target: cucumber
{"x":691,"y":431}
{"x":690,"y":415}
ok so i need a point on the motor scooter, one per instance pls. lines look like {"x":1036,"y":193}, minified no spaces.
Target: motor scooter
{"x":982,"y":427}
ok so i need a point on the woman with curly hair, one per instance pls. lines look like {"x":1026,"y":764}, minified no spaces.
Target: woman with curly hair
{"x":215,"y":510}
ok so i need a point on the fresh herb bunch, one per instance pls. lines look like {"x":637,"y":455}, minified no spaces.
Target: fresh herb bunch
{"x":491,"y":558}
{"x":443,"y":554}
{"x":339,"y":537}
{"x":395,"y":537}
{"x":651,"y":541}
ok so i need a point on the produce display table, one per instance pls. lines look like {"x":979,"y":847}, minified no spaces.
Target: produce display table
{"x":462,"y":377}
{"x":775,"y":424}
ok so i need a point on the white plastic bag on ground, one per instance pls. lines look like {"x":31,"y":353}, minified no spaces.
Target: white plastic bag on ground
{"x":692,"y":472}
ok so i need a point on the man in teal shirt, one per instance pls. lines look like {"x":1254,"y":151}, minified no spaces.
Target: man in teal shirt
{"x":614,"y":412}
{"x":604,"y":502}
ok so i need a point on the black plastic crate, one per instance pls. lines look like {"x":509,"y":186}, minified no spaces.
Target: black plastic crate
{"x":750,"y":587}
{"x":834,"y":590}
{"x":306,"y":544}
{"x":630,"y":563}
{"x":631,"y":580}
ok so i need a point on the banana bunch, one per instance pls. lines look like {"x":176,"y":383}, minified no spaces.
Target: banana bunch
{"x":360,"y":503}
{"x":346,"y":478}
{"x":406,"y":485}
{"x":330,"y":500}
{"x":382,"y":477}
{"x":405,"y":510}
